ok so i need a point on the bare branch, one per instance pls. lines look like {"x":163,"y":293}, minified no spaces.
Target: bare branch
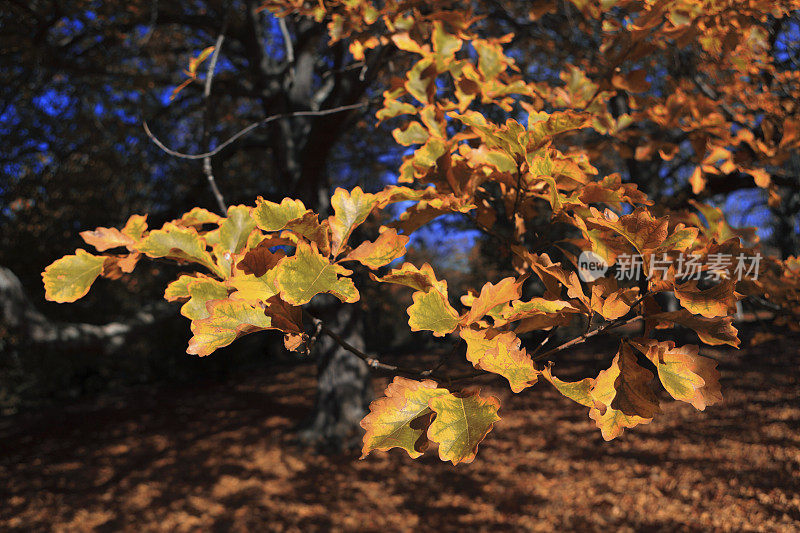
{"x":248,"y":129}
{"x":212,"y":65}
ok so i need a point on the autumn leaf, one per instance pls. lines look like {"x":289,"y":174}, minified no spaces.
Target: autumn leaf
{"x":250,"y":287}
{"x":69,"y":278}
{"x":306,"y":274}
{"x":686,"y":376}
{"x":714,"y":302}
{"x":622,"y":395}
{"x":431,"y":311}
{"x":259,"y":260}
{"x":197,"y":217}
{"x":175,"y":242}
{"x":712,"y":331}
{"x":270,"y":216}
{"x":491,"y":296}
{"x":135,"y":227}
{"x":420,"y":279}
{"x":613,"y":422}
{"x":645,"y":232}
{"x":462,"y":422}
{"x":227,"y":320}
{"x":106,"y":238}
{"x":350,"y":210}
{"x":235,"y":229}
{"x":577,"y":391}
{"x":502,"y":354}
{"x":388,"y":247}
{"x":401,"y":418}
{"x":201,"y":290}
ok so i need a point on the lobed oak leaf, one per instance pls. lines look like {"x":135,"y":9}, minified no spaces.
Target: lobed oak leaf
{"x":502,"y":354}
{"x":462,"y":421}
{"x":307,"y":273}
{"x":70,"y":278}
{"x":350,"y":208}
{"x":613,"y":422}
{"x":712,"y":331}
{"x":625,"y":385}
{"x":259,"y":260}
{"x":432,"y":312}
{"x":180,"y":243}
{"x":577,"y":391}
{"x":385,"y":249}
{"x":270,"y":216}
{"x":106,"y":238}
{"x":201,"y":289}
{"x":197,"y":217}
{"x":227,"y":320}
{"x":645,"y":232}
{"x":713,"y":302}
{"x":686,"y":376}
{"x":491,"y":296}
{"x":420,"y":279}
{"x":135,"y":227}
{"x":445,"y":45}
{"x":414,"y":133}
{"x":401,"y":418}
{"x":250,"y":287}
{"x":622,"y":395}
{"x":236,"y":228}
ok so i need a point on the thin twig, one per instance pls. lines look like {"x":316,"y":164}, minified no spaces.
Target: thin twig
{"x":371,"y":361}
{"x":583,"y":338}
{"x":247,"y":130}
{"x":212,"y":65}
{"x":287,"y":40}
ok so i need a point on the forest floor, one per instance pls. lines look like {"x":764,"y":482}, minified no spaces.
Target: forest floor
{"x":220,"y":456}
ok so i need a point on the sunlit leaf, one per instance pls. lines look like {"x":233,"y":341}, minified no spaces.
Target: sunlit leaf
{"x":307,"y":273}
{"x":462,"y":422}
{"x":401,"y":418}
{"x":69,"y":278}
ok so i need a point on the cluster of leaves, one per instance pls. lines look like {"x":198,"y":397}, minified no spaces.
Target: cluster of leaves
{"x":262,"y":264}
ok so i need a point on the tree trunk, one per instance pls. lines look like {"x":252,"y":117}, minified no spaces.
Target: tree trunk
{"x":344,"y":386}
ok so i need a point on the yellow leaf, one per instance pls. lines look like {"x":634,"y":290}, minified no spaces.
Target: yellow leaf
{"x":462,"y":422}
{"x":350,"y":210}
{"x":270,"y":216}
{"x":432,"y":312}
{"x":307,"y":273}
{"x":135,"y":227}
{"x":388,"y":247}
{"x":401,"y":418}
{"x":70,"y":277}
{"x":235,"y":229}
{"x":501,"y":353}
{"x":180,"y":243}
{"x":419,"y":279}
{"x":105,"y":238}
{"x":491,"y":296}
{"x":577,"y":391}
{"x":710,"y":303}
{"x":687,"y":376}
{"x":228,"y":320}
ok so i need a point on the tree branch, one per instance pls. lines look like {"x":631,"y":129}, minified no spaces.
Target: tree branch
{"x":244,"y":131}
{"x":212,"y":65}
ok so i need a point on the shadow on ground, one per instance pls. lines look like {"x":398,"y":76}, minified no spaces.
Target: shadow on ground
{"x":219,"y":456}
